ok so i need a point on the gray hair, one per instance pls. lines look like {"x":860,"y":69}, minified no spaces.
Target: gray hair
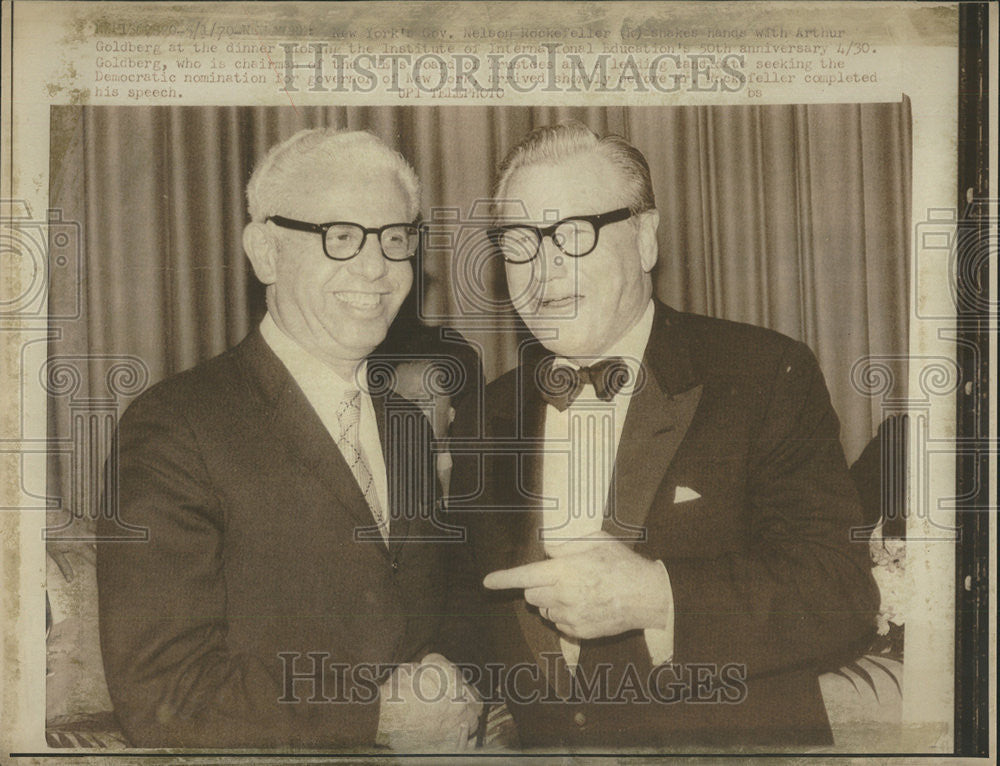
{"x":274,"y":174}
{"x":555,"y":143}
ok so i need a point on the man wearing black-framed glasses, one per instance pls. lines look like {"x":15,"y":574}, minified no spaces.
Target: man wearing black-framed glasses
{"x":576,"y":236}
{"x":343,"y":240}
{"x":659,"y":509}
{"x":276,"y":602}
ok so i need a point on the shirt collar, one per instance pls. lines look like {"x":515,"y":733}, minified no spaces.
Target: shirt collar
{"x":311,"y":373}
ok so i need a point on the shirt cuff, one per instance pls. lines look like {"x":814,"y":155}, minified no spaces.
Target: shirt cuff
{"x":660,"y":641}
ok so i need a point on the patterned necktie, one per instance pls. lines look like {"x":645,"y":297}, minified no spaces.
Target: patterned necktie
{"x":561,"y":385}
{"x":348,"y":417}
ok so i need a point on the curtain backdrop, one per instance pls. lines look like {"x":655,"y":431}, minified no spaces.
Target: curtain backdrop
{"x":790,"y":217}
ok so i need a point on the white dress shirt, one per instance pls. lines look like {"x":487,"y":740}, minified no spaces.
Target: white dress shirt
{"x":579,"y":456}
{"x":325,"y":390}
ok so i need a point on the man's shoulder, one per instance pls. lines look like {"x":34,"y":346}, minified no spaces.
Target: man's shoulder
{"x":710,"y":337}
{"x":724,"y":354}
{"x":210,"y":387}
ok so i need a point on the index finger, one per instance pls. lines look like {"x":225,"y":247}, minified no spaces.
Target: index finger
{"x":534,"y":575}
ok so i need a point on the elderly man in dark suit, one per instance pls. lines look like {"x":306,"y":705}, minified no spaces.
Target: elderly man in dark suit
{"x":290,"y":588}
{"x":657,"y":502}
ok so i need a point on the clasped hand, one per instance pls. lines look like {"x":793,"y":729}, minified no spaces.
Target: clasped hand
{"x":592,"y":587}
{"x":428,"y":706}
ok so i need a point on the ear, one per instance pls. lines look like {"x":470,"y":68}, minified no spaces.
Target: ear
{"x":649,"y":246}
{"x":262,"y":250}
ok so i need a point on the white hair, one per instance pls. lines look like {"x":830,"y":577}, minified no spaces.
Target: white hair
{"x":557,"y":143}
{"x":285,"y":163}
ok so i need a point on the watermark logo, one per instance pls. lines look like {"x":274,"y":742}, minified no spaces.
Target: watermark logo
{"x":33,"y":252}
{"x":321,"y":67}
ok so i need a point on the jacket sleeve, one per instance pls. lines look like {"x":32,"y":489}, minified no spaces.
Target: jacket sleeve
{"x":162,"y":601}
{"x":801,"y":591}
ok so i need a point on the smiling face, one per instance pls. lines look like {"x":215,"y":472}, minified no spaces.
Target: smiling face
{"x":590,"y":302}
{"x":337,"y":310}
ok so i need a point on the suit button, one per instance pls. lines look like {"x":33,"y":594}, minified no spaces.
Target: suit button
{"x":580,"y":719}
{"x":395,"y":565}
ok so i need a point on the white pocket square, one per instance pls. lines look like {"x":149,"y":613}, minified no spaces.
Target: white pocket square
{"x":683,"y":494}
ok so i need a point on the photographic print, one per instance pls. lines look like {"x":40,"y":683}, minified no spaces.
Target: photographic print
{"x":421,"y":378}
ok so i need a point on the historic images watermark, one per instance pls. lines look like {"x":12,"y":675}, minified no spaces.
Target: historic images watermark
{"x":429,"y":69}
{"x":309,"y":677}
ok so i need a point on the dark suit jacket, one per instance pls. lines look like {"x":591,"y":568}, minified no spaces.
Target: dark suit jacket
{"x":251,"y":512}
{"x":765,"y":581}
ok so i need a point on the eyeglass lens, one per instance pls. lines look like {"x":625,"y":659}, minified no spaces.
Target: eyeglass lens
{"x":520,"y":243}
{"x":398,"y":242}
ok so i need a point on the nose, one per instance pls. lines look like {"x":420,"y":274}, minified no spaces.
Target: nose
{"x":552,"y":262}
{"x":369,"y":263}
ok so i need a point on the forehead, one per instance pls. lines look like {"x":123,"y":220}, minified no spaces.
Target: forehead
{"x":582,"y":184}
{"x":336,"y":191}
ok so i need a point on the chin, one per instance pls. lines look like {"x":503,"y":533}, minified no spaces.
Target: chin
{"x":370,"y":340}
{"x":568,"y":348}
{"x":359,"y":336}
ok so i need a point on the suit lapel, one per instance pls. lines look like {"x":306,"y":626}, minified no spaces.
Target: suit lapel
{"x":531,"y":429}
{"x":517,"y":534}
{"x":516,"y":479}
{"x":658,"y":419}
{"x":296,"y":426}
{"x":409,"y":470}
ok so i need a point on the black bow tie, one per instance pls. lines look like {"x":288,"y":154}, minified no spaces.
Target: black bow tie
{"x":561,"y":385}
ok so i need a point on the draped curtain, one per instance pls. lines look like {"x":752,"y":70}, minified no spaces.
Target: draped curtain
{"x":790,"y":217}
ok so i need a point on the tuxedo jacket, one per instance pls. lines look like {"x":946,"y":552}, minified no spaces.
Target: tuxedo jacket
{"x":730,"y":471}
{"x":243,"y":611}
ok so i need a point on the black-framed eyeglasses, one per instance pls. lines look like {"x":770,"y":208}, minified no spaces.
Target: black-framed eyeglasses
{"x":576,"y":236}
{"x":342,"y":240}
